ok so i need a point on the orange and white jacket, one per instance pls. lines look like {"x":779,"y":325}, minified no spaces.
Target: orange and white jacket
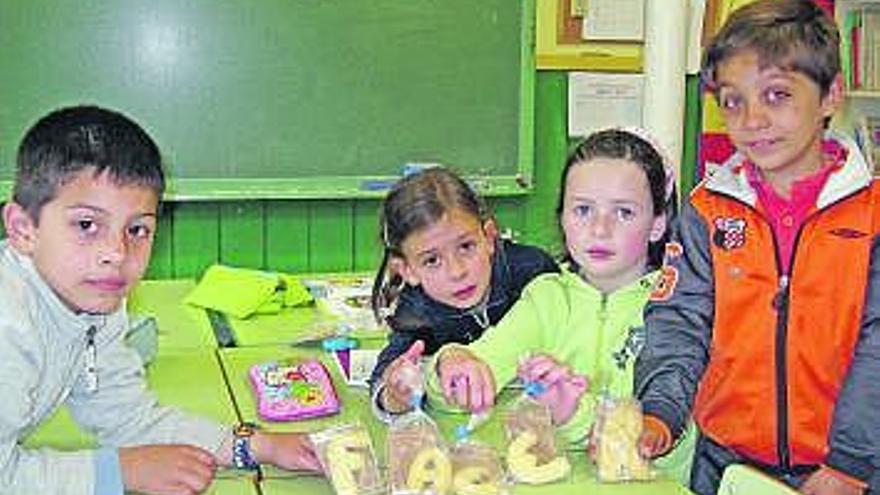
{"x":784,"y":370}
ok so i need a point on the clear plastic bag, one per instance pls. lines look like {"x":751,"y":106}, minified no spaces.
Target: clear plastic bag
{"x":418,"y":462}
{"x":532,"y":456}
{"x":477,"y":470}
{"x":615,"y":440}
{"x":347,"y":455}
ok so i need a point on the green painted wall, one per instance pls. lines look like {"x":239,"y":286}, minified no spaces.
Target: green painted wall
{"x":342,"y":235}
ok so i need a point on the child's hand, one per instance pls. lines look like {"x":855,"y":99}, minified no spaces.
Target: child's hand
{"x":467,"y":382}
{"x":825,"y":482}
{"x":563,"y":388}
{"x":291,"y":451}
{"x":166,"y":469}
{"x":400,"y":378}
{"x":655,"y":440}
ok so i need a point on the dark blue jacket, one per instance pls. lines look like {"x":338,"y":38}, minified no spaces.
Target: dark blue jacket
{"x":419,"y":317}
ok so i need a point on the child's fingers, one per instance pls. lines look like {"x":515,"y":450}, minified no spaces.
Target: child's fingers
{"x":556,"y":374}
{"x":461,"y":391}
{"x":536,"y":367}
{"x":579,"y":382}
{"x":415,"y":351}
{"x":482,"y":389}
{"x":402,"y":376}
{"x":652,"y":445}
{"x":537,"y":360}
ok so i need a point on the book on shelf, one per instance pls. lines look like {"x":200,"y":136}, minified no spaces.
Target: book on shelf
{"x":868,"y":138}
{"x":860,"y":40}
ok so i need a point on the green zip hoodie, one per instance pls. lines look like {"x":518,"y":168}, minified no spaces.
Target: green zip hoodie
{"x":598,"y":335}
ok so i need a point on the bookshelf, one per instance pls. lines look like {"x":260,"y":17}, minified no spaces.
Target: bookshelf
{"x":859,"y":24}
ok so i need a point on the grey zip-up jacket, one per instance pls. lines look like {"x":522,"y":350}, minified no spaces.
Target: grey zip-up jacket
{"x":43,"y":349}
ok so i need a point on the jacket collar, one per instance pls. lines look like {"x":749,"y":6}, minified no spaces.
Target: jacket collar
{"x":731,"y":177}
{"x":71,"y":324}
{"x":640,"y":287}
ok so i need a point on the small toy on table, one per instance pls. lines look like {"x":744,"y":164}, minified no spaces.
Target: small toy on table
{"x":293,"y":389}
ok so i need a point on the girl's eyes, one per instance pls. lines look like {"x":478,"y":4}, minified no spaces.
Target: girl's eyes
{"x":468,"y":246}
{"x":625,"y":214}
{"x":622,"y":213}
{"x":582,"y":211}
{"x":431,"y":261}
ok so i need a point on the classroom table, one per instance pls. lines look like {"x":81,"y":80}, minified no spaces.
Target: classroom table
{"x":355,"y":408}
{"x":232,"y":486}
{"x":308,"y":323}
{"x":181,"y":326}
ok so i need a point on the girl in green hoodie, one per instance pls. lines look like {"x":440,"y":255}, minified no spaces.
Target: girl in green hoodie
{"x":578,"y":332}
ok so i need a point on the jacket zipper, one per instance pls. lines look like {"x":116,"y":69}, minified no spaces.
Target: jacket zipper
{"x":780,"y":303}
{"x":91,"y":360}
{"x":601,"y":380}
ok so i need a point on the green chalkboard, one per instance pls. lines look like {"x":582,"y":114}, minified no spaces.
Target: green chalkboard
{"x":286,"y":98}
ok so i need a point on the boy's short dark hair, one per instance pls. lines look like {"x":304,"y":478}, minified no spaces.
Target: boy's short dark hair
{"x":793,"y":35}
{"x":70,"y":140}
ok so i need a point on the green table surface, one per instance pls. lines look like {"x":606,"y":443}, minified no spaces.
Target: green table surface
{"x":233,"y":486}
{"x":181,"y":326}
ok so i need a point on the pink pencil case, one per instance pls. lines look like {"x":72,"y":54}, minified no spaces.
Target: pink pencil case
{"x":292,"y":390}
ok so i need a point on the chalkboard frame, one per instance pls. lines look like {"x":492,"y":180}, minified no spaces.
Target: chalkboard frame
{"x":366,"y":186}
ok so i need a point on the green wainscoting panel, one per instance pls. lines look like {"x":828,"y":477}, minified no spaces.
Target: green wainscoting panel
{"x":509,"y":215}
{"x":331,"y":236}
{"x":551,"y":147}
{"x":196,"y":233}
{"x":242,"y":238}
{"x":287,"y":236}
{"x":367,"y":244}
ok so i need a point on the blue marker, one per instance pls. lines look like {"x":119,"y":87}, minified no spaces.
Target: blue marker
{"x":336,"y":344}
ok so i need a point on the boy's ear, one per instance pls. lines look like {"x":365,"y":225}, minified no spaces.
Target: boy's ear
{"x":658,"y":228}
{"x":399,"y":266}
{"x":20,"y":228}
{"x":833,"y":99}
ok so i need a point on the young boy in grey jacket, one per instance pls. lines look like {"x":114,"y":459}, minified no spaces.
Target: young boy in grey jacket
{"x":79,"y":229}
